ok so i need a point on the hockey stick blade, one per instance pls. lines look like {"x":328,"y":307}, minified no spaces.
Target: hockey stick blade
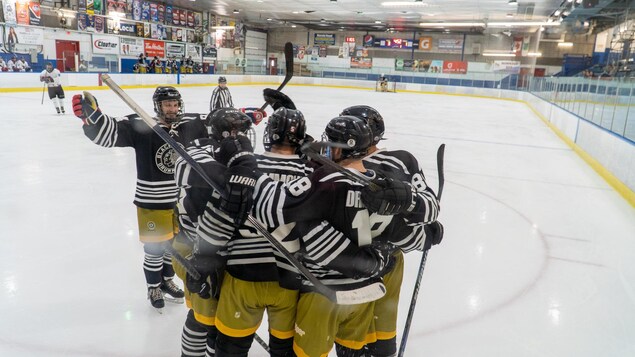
{"x":328,"y":292}
{"x":440,"y":154}
{"x":288,"y":57}
{"x":424,"y":259}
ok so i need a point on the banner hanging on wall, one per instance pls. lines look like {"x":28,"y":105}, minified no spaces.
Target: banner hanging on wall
{"x":327,"y":39}
{"x":195,"y":52}
{"x":455,"y":67}
{"x":9,"y":13}
{"x":154,"y":48}
{"x":106,"y":44}
{"x":131,"y":46}
{"x":361,"y":62}
{"x":35,"y":13}
{"x":174,"y":49}
{"x":22,"y":13}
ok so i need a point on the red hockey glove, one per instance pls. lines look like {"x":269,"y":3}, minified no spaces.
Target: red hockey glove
{"x":86,"y":108}
{"x":255,"y":114}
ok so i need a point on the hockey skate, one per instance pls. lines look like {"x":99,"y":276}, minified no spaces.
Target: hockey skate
{"x":63,"y":111}
{"x":172,"y":293}
{"x":156,"y":299}
{"x":58,"y":110}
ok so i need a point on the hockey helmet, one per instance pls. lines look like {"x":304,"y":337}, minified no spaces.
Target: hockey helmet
{"x":371,"y":116}
{"x":163,"y":93}
{"x":222,"y":80}
{"x":285,"y":125}
{"x":224,"y":122}
{"x":49,"y":67}
{"x":351,"y":131}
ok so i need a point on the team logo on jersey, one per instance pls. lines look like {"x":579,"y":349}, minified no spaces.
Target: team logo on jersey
{"x":165,"y":159}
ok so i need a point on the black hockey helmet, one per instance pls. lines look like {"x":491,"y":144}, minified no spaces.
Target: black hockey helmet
{"x":49,"y":67}
{"x":163,"y":93}
{"x":371,"y":116}
{"x":285,"y":125}
{"x":352,"y":131}
{"x":224,"y":122}
{"x":222,"y":80}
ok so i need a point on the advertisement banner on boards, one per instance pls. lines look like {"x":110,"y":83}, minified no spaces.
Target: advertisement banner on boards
{"x":209,"y":53}
{"x":174,"y":49}
{"x":425,"y":43}
{"x":195,"y":52}
{"x":106,"y":44}
{"x":168,"y":15}
{"x":450,"y":44}
{"x":131,"y":46}
{"x":361,"y":62}
{"x":455,"y":67}
{"x":154,"y":48}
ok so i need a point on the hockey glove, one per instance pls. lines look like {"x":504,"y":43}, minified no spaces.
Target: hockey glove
{"x":255,"y":114}
{"x":208,"y":267}
{"x":377,"y":262}
{"x":86,"y":108}
{"x":277,"y":99}
{"x":239,"y":188}
{"x":434,"y":234}
{"x":233,"y":148}
{"x":393,"y":197}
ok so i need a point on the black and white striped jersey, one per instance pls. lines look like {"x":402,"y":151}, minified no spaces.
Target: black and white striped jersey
{"x":326,"y":209}
{"x":221,"y":98}
{"x":402,"y":165}
{"x":155,"y":159}
{"x":250,"y":256}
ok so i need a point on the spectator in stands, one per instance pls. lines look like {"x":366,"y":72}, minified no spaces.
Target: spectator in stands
{"x":82,"y":66}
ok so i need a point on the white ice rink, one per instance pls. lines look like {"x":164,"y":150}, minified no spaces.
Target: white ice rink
{"x":538,"y":257}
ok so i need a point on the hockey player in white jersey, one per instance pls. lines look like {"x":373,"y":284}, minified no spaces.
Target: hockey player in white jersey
{"x":52,"y":78}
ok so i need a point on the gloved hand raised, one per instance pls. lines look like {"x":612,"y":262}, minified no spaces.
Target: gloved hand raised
{"x":86,"y":108}
{"x":434,"y":234}
{"x":392,"y":197}
{"x":277,"y":99}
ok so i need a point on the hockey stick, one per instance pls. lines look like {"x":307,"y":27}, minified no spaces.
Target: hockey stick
{"x":262,"y":343}
{"x":288,"y":57}
{"x":43,"y":89}
{"x":422,"y":264}
{"x":364,"y":294}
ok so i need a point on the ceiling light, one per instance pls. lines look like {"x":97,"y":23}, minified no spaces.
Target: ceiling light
{"x":512,"y":3}
{"x":499,"y":55}
{"x":403,"y":3}
{"x":294,"y":26}
{"x":378,"y":22}
{"x":522,"y":23}
{"x":236,"y":11}
{"x":452,"y":24}
{"x":565,"y":44}
{"x":269,"y":19}
{"x":534,"y":54}
{"x":295,"y":12}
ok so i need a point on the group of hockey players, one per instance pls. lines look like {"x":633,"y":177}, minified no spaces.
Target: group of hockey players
{"x":171,"y":65}
{"x":14,"y":64}
{"x":351,"y":235}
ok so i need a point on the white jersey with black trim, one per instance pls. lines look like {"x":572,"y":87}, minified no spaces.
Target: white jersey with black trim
{"x":55,"y":77}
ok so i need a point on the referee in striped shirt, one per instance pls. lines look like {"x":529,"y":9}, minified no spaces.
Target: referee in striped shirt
{"x":221,"y":98}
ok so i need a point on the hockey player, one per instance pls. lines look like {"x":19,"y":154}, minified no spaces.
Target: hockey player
{"x":331,"y":196}
{"x":156,"y":191}
{"x":142,"y":63}
{"x":383,"y":83}
{"x":404,"y":165}
{"x":51,"y":77}
{"x":156,"y":66}
{"x":11,"y":64}
{"x":221,"y":97}
{"x":3,"y":65}
{"x":170,"y":65}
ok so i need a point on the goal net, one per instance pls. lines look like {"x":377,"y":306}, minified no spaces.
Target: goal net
{"x":385,"y":86}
